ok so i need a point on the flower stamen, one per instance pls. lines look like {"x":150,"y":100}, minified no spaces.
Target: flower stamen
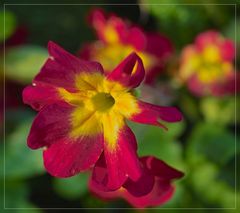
{"x":102,"y":101}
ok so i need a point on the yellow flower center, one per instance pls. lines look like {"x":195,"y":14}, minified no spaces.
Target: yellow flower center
{"x":102,"y":101}
{"x":100,"y":105}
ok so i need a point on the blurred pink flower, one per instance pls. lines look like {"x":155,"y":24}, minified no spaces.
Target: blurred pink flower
{"x":207,"y":65}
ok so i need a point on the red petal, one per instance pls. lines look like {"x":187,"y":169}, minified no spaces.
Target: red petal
{"x":228,"y":87}
{"x":126,"y":73}
{"x":105,"y":176}
{"x":136,"y":38}
{"x":206,"y":38}
{"x":103,"y":193}
{"x":61,"y":68}
{"x":125,"y":151}
{"x":197,"y":87}
{"x":142,"y":186}
{"x":159,"y":45}
{"x":101,"y":22}
{"x":39,"y":96}
{"x":99,"y":177}
{"x":160,"y":169}
{"x":68,"y":157}
{"x":50,"y":125}
{"x":161,"y":193}
{"x":153,"y":167}
{"x":157,"y":190}
{"x":151,"y":114}
{"x":162,"y":190}
{"x":228,"y":50}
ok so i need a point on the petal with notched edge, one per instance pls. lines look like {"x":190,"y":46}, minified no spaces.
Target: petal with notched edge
{"x":60,"y":120}
{"x":151,"y":114}
{"x":72,"y":144}
{"x":67,"y":156}
{"x":61,"y":68}
{"x":39,"y":96}
{"x":51,"y":124}
{"x":130,"y":72}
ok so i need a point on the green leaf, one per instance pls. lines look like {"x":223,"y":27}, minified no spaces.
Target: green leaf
{"x":155,"y":141}
{"x":210,"y":142}
{"x":230,"y":30}
{"x":197,"y":17}
{"x":175,"y":129}
{"x":173,"y":132}
{"x":210,"y":148}
{"x":210,"y":188}
{"x":24,"y":62}
{"x":21,"y":161}
{"x":16,"y":196}
{"x":182,"y":17}
{"x":10,"y":24}
{"x":73,"y":187}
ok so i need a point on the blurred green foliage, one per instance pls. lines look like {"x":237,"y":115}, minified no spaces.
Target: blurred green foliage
{"x":16,"y":198}
{"x":72,"y":187}
{"x":22,"y":63}
{"x":211,"y":142}
{"x":176,"y":17}
{"x":10,"y":24}
{"x":16,"y":151}
{"x":210,"y":147}
{"x":220,"y":111}
{"x":160,"y":143}
{"x":65,"y":25}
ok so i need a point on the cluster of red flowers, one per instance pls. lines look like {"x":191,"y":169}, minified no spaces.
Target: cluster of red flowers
{"x":83,"y":111}
{"x":83,"y":108}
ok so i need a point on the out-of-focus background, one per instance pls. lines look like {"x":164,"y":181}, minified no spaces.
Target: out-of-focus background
{"x":203,"y":145}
